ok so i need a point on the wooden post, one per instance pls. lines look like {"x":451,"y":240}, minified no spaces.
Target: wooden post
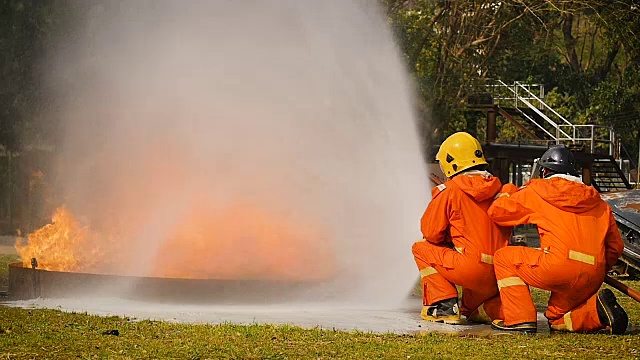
{"x":512,"y":172}
{"x":491,"y":125}
{"x":503,"y":169}
{"x":586,"y":174}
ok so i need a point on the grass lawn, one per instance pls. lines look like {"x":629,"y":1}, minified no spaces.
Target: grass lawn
{"x":4,"y":269}
{"x":53,"y":334}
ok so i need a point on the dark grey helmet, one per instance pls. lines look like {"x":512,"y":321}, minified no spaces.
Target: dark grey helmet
{"x":559,"y":159}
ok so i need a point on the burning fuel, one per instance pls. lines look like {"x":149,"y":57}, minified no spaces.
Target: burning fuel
{"x":61,"y":245}
{"x":207,"y":245}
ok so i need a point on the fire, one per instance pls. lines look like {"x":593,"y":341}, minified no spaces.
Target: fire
{"x":244,"y":242}
{"x":235,"y":242}
{"x":59,"y":246}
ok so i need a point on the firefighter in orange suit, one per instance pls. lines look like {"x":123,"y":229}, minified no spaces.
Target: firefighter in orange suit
{"x":579,"y":242}
{"x":460,"y":238}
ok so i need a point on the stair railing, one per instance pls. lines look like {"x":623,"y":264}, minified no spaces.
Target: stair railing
{"x":590,"y":134}
{"x":514,"y":94}
{"x":521,"y":94}
{"x":560,"y":134}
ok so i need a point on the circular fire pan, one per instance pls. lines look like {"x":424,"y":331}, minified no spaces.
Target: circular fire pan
{"x":28,"y":283}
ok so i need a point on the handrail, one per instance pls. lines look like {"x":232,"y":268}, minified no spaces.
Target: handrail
{"x":519,"y":94}
{"x":537,"y":111}
{"x":633,"y":163}
{"x":535,"y":123}
{"x":547,"y":119}
{"x":545,"y":104}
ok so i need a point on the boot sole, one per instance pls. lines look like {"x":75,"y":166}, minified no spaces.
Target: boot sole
{"x":451,"y":320}
{"x":618,"y":318}
{"x":522,"y":330}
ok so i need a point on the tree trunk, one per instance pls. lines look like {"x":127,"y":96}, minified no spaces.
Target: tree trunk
{"x":604,"y":70}
{"x":570,"y":42}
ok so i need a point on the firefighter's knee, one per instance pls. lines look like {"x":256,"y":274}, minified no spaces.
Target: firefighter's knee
{"x":501,"y":257}
{"x":419,"y":247}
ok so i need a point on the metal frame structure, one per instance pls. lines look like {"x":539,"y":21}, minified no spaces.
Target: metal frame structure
{"x":530,"y":97}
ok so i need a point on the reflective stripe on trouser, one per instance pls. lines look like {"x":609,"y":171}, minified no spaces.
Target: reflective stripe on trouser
{"x":441,"y":268}
{"x":582,"y":318}
{"x":487,"y":311}
{"x":573,"y":285}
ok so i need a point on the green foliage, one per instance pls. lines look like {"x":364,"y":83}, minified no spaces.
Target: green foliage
{"x":5,"y":260}
{"x":567,"y":105}
{"x":586,"y":53}
{"x":26,"y":29}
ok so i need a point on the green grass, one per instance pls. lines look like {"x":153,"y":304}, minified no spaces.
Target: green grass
{"x":53,"y":334}
{"x":4,"y":269}
{"x":57,"y":335}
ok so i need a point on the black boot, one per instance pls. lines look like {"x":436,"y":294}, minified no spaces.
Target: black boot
{"x":525,"y":328}
{"x":445,"y":311}
{"x":610,"y":313}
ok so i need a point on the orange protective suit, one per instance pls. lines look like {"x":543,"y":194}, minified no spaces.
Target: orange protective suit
{"x":457,"y":215}
{"x":579,"y":240}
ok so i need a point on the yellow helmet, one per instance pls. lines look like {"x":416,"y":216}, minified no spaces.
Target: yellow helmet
{"x":459,"y":152}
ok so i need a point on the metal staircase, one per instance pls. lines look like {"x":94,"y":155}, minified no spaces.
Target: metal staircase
{"x":512,"y":119}
{"x":525,"y":101}
{"x":523,"y":106}
{"x":607,"y":175}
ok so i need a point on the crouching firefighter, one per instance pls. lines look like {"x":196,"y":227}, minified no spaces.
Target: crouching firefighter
{"x":460,"y":238}
{"x":579,"y":242}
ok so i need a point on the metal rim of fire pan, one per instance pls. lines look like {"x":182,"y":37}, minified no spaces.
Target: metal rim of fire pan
{"x":30,"y":283}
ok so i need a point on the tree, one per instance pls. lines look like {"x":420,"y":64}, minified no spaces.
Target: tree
{"x":585,"y":52}
{"x":26,"y":29}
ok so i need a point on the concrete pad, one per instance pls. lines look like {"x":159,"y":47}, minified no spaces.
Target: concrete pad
{"x":402,"y":320}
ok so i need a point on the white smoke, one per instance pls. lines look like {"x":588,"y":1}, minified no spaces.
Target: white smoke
{"x":303,"y":107}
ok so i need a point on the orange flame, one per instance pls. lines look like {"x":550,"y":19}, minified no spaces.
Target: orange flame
{"x":237,"y":242}
{"x":59,"y":246}
{"x":243,"y":242}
